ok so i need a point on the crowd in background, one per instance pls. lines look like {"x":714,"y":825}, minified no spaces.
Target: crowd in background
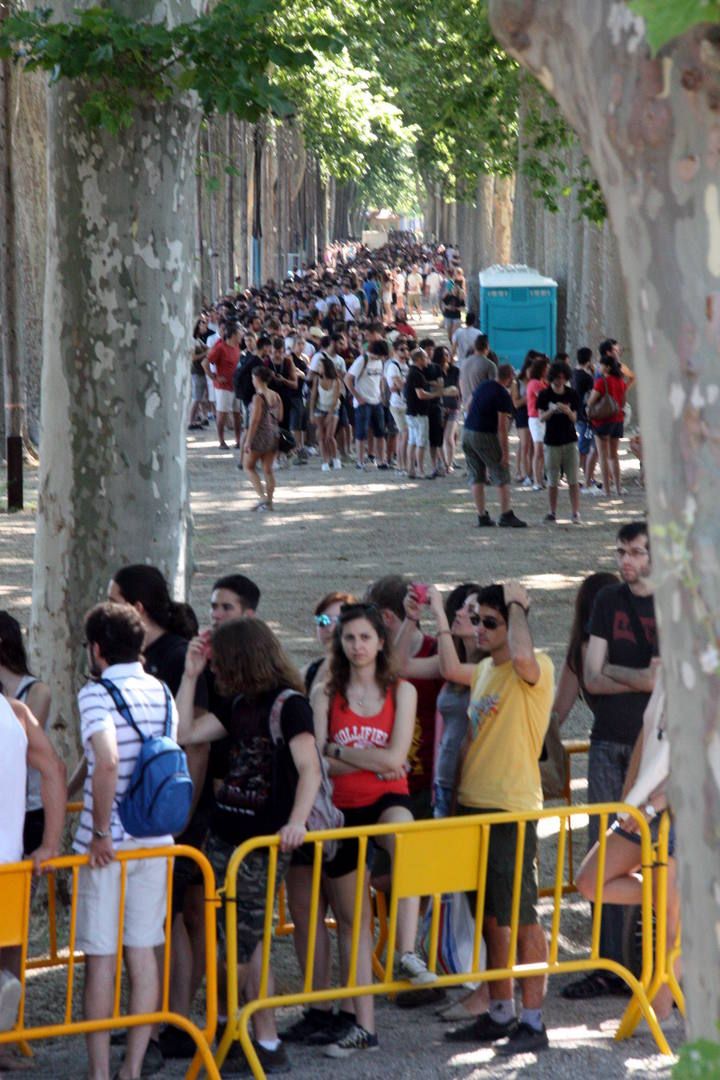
{"x":330,"y":363}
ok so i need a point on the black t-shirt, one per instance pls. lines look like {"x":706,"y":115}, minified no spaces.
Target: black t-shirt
{"x":246,"y":804}
{"x":165,"y":659}
{"x":451,"y":306}
{"x":619,"y":717}
{"x":559,"y":428}
{"x":432,"y":373}
{"x":582,"y":385}
{"x":452,"y":378}
{"x":488,"y":400}
{"x":416,"y":381}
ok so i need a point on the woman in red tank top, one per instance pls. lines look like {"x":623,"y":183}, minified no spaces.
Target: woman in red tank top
{"x":365,"y":718}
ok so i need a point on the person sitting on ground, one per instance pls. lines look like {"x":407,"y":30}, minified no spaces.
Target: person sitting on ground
{"x":645,"y":788}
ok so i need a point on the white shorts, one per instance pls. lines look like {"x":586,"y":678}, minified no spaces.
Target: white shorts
{"x":224,"y":400}
{"x":537,"y":429}
{"x":400,"y":418}
{"x":98,"y":906}
{"x":418,"y":430}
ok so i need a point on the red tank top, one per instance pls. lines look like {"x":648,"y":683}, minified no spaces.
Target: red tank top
{"x":346,"y":728}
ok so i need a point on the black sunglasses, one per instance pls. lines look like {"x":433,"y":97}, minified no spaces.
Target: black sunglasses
{"x":487,"y":620}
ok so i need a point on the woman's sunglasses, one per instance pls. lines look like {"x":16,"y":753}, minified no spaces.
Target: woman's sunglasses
{"x":487,"y":621}
{"x":326,"y":620}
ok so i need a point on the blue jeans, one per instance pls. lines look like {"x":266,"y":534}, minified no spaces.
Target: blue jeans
{"x":607,"y":767}
{"x":443,"y":800}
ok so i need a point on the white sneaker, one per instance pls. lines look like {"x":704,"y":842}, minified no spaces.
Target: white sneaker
{"x":324,"y":467}
{"x":312,"y":451}
{"x":337,"y":463}
{"x":10,"y":994}
{"x":413,"y":968}
{"x":527,"y":482}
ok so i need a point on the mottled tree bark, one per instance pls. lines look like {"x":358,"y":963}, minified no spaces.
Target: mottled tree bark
{"x":118,"y":304}
{"x":650,"y":128}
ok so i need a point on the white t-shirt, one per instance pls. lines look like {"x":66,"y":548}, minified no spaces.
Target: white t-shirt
{"x":368,"y":373}
{"x":351,"y":306}
{"x":464,"y":341}
{"x":146,"y":700}
{"x":414,"y":282}
{"x":316,"y":365}
{"x":433,"y":282}
{"x":400,"y":281}
{"x":393,"y":370}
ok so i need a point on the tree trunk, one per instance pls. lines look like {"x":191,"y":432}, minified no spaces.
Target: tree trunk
{"x":649,"y":126}
{"x":9,"y":351}
{"x":231,"y":159}
{"x":118,"y":304}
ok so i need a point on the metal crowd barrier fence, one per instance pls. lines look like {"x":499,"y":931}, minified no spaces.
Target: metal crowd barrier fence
{"x":15,"y":892}
{"x":284,"y":925}
{"x":432,"y":858}
{"x":54,"y":957}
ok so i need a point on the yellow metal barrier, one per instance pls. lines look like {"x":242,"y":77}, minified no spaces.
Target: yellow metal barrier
{"x":15,"y":887}
{"x":665,"y":959}
{"x":432,"y":858}
{"x":54,"y":957}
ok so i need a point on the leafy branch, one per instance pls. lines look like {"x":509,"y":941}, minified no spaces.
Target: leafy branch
{"x":229,"y":57}
{"x":666,"y":21}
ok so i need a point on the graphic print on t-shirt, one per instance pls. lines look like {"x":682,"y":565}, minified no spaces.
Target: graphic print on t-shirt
{"x":481,"y":711}
{"x":246,"y":787}
{"x":361,"y":736}
{"x":622,"y":629}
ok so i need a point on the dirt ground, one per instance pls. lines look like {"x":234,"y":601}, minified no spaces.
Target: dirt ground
{"x":342,"y":530}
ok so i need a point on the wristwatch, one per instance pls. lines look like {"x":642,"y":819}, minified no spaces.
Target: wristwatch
{"x":650,"y":811}
{"x":102,"y":834}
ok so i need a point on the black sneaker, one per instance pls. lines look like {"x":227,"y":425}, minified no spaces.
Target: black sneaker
{"x":383,"y":465}
{"x":357,"y":1038}
{"x":272,"y":1061}
{"x":483,"y":1029}
{"x":176,"y":1043}
{"x":311,"y":1022}
{"x":509,"y":521}
{"x":550,"y":516}
{"x":153,"y":1062}
{"x":337,"y":1027}
{"x":485,"y":521}
{"x":524,"y":1039}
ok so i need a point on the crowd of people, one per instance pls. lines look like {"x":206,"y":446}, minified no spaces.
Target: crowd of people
{"x":330,"y":363}
{"x":417,"y":705}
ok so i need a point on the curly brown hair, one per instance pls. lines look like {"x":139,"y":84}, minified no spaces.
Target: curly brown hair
{"x":248,"y":659}
{"x":386,"y":673}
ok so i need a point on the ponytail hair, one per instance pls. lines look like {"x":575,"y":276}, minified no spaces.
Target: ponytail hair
{"x":140,"y":584}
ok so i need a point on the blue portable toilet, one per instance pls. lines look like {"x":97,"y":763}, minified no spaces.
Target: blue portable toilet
{"x":518,"y":311}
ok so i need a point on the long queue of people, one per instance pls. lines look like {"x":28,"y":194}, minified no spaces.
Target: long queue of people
{"x":329,"y":364}
{"x":410,"y":722}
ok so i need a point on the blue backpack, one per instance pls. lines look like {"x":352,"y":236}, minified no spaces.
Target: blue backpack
{"x":159,"y":793}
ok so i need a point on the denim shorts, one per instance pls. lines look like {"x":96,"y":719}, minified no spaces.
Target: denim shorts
{"x":367,"y":417}
{"x":616,"y":827}
{"x":585,"y":436}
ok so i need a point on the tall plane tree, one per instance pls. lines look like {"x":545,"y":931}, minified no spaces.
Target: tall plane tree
{"x":649,"y":122}
{"x":128,"y":87}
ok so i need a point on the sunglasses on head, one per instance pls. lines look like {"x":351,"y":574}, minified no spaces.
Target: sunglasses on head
{"x":487,"y":621}
{"x":326,"y":620}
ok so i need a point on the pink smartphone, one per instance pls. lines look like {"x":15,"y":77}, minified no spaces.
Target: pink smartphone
{"x":421,"y":592}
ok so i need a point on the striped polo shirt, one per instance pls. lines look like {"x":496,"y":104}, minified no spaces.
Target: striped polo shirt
{"x":145,"y":697}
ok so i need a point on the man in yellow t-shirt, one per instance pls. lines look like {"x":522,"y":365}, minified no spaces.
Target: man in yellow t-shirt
{"x":509,"y":712}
